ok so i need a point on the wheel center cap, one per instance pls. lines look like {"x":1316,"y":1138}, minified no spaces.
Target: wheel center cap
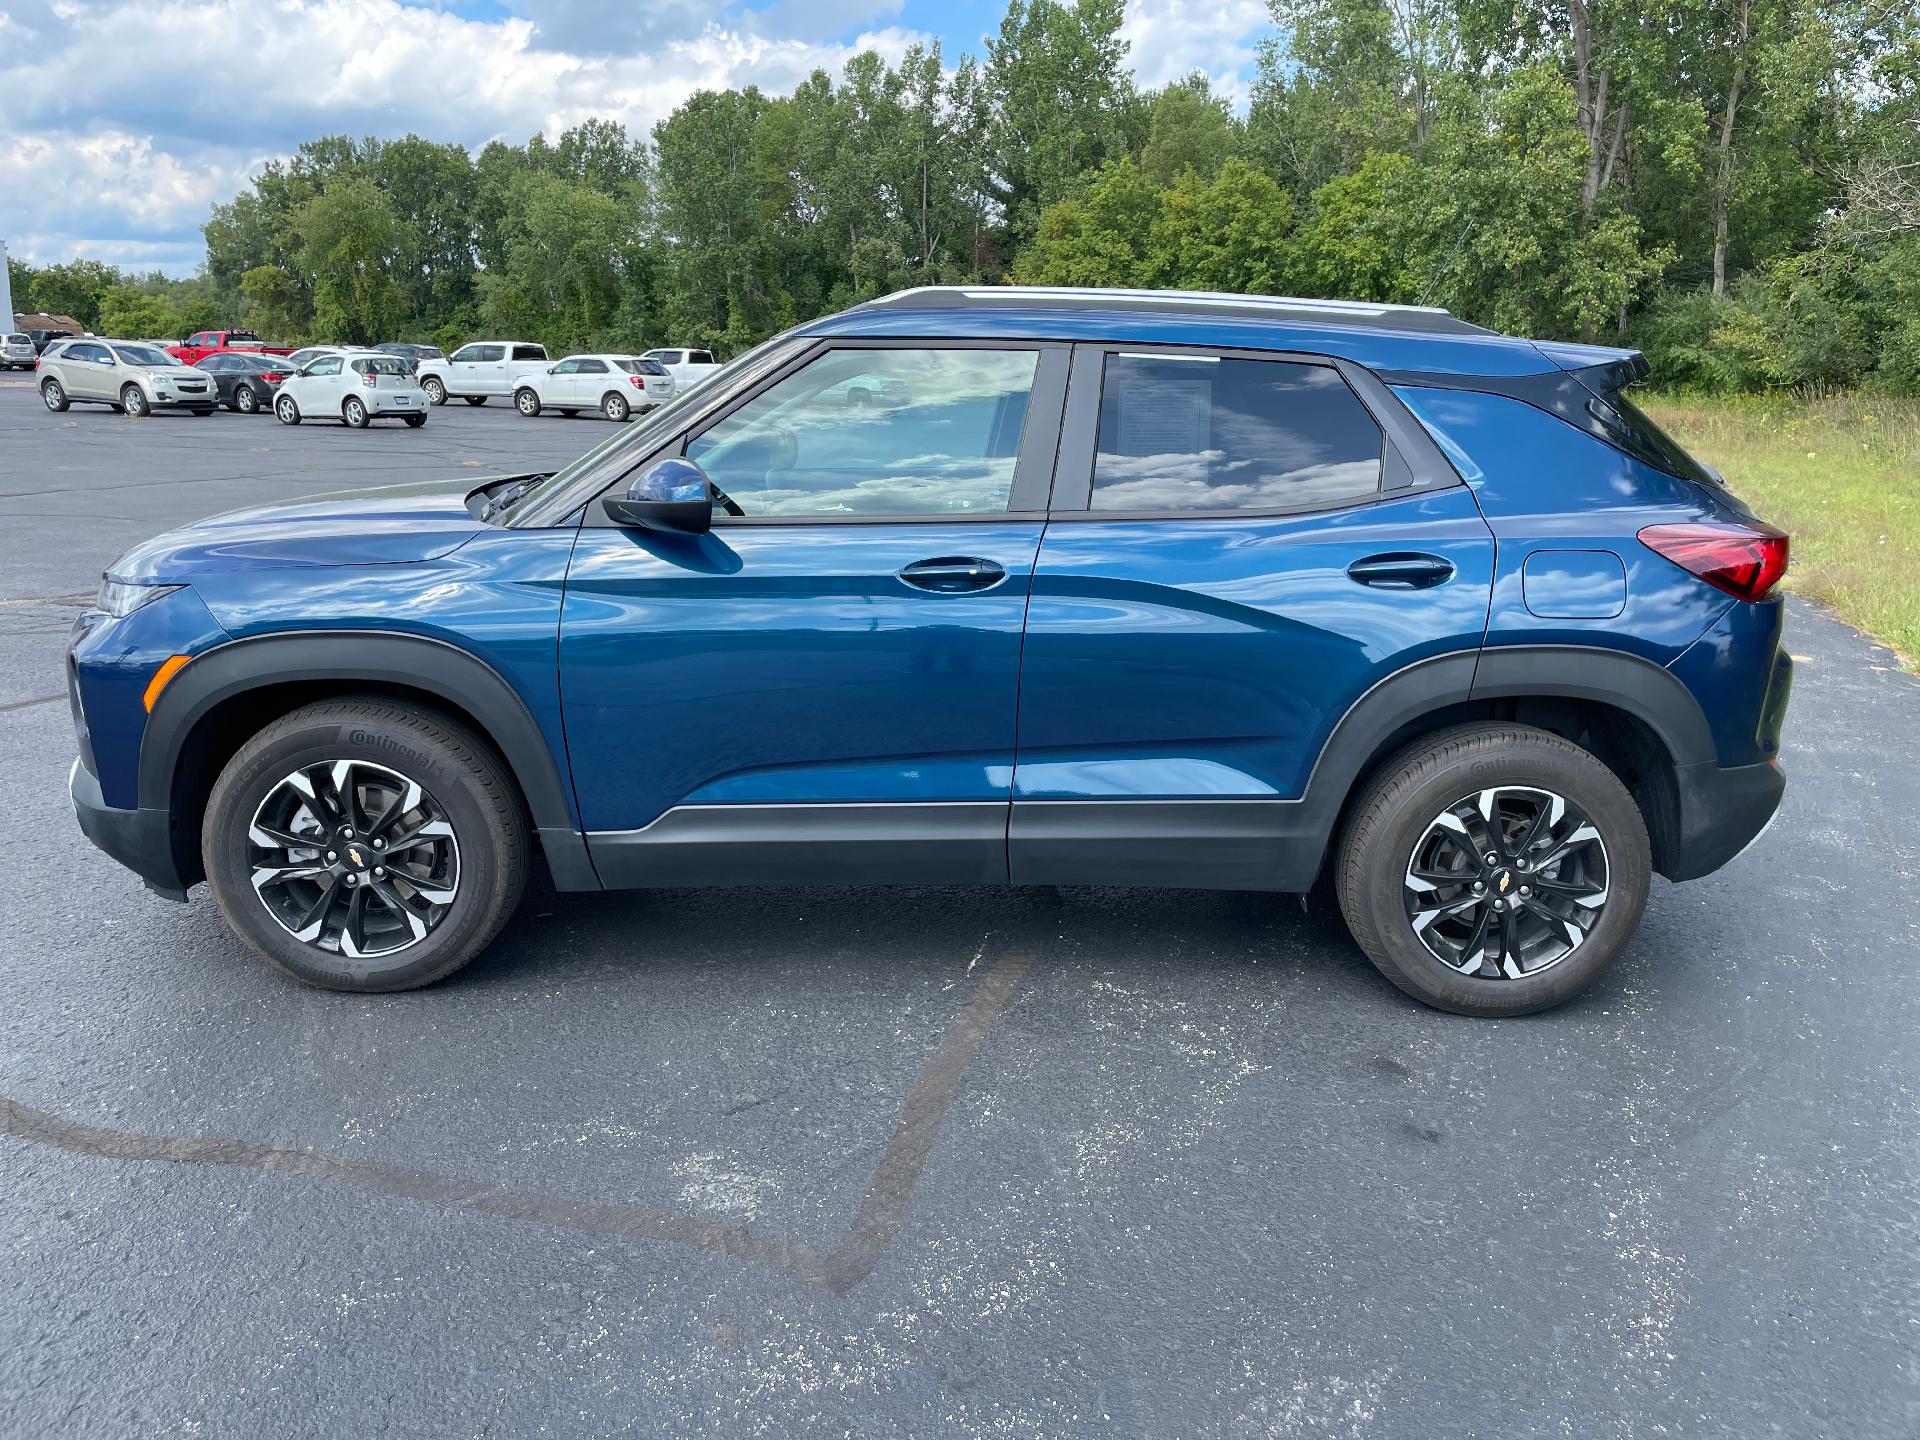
{"x":1503,"y":882}
{"x":354,"y":855}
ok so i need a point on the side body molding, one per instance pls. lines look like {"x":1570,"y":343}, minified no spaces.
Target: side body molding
{"x":341,"y":657}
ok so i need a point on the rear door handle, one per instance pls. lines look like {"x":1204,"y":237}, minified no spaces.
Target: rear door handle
{"x":953,"y":574}
{"x":1405,"y":571}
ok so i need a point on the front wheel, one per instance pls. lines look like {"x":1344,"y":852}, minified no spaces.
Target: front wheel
{"x":1493,"y":869}
{"x":474,"y":399}
{"x":526,"y":401}
{"x":436,"y":392}
{"x":614,"y":407}
{"x":285,"y":411}
{"x":133,"y":400}
{"x":365,"y":845}
{"x":54,"y":395}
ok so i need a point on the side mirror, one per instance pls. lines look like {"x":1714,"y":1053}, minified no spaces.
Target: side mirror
{"x":672,"y":495}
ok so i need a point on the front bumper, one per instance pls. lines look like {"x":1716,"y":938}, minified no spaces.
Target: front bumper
{"x":141,"y":840}
{"x":175,"y":400}
{"x":1723,"y":810}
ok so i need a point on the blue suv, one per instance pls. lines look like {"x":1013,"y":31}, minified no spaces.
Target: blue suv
{"x":983,"y":586}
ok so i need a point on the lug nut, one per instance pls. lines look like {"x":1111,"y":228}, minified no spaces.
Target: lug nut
{"x":1478,"y":886}
{"x":346,"y":832}
{"x":379,"y":844}
{"x":332,"y":855}
{"x":380,"y":873}
{"x":1525,"y":890}
{"x":352,"y":880}
{"x":1492,"y":859}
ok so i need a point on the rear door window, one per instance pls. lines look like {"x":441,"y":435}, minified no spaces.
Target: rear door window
{"x":701,"y":357}
{"x":529,"y":352}
{"x":1207,"y":433}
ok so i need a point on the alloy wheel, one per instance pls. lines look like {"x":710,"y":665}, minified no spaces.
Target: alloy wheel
{"x":1506,"y":882}
{"x":50,"y":392}
{"x":353,"y":858}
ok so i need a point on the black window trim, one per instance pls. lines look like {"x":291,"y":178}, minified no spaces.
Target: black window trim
{"x":1033,"y":470}
{"x":1411,"y":462}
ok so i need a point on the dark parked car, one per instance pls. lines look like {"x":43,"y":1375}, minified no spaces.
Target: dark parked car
{"x":412,"y":354}
{"x":43,"y":338}
{"x":246,"y":382}
{"x":1129,"y":588}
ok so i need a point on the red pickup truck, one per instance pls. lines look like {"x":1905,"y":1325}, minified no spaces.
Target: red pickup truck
{"x":211,"y":342}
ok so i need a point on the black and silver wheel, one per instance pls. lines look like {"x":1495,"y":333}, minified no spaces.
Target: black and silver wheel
{"x":527,"y":401}
{"x":365,"y":845}
{"x":414,"y":422}
{"x":354,"y":411}
{"x":614,"y":407}
{"x":54,"y":394}
{"x":474,"y":399}
{"x":1494,"y":869}
{"x":285,"y":411}
{"x":436,"y":392}
{"x":133,"y":400}
{"x":245,"y":401}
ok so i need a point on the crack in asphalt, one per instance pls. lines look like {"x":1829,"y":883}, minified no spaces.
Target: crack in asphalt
{"x":875,"y":1226}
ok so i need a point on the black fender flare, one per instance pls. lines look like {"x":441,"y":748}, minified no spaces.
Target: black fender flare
{"x":1574,"y":672}
{"x":343,"y":657}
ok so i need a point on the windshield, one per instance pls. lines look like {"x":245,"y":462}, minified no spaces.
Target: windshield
{"x":145,"y":355}
{"x":561,"y":493}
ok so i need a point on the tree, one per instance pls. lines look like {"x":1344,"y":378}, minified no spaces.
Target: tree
{"x":349,"y":236}
{"x":1189,"y":129}
{"x":132,"y":313}
{"x":276,"y":306}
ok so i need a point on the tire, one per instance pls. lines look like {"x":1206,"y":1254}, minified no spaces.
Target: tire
{"x":614,"y":406}
{"x":54,"y":395}
{"x":133,"y":400}
{"x":286,"y":411}
{"x":353,"y":410}
{"x":526,"y":401}
{"x":474,"y":399}
{"x":569,"y":411}
{"x":202,"y":411}
{"x":414,"y":422}
{"x":436,"y":391}
{"x":482,"y":858}
{"x":1398,"y":825}
{"x":245,"y":401}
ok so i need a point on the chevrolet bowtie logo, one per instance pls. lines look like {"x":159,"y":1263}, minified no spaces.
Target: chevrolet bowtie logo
{"x":354,"y":855}
{"x":1505,"y":878}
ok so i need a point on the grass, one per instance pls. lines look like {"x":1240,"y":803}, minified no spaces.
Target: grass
{"x":1842,"y":474}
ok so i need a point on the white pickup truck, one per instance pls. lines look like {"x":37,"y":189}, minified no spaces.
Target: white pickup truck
{"x":687,"y":367}
{"x":476,"y":373}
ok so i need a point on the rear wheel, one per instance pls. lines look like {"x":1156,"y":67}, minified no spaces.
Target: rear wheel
{"x":474,"y":399}
{"x":614,"y":406}
{"x":526,"y":401}
{"x":1493,"y":869}
{"x":354,"y":412}
{"x":54,"y":395}
{"x":569,"y":411}
{"x":414,"y":422}
{"x":133,"y":400}
{"x":285,"y":411}
{"x":436,"y":392}
{"x":246,"y":401}
{"x":365,"y":845}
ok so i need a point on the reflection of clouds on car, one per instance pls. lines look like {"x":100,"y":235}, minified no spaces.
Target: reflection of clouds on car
{"x":929,"y":489}
{"x":1189,"y":482}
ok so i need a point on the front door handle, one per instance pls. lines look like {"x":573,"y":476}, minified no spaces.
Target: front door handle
{"x":1404,"y":571}
{"x":953,"y":574}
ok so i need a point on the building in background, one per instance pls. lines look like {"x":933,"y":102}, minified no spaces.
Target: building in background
{"x":6,"y":291}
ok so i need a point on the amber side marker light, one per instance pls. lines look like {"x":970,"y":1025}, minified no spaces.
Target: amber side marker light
{"x":169,"y":668}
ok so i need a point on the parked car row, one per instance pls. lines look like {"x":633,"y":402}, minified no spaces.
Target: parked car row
{"x":354,"y":384}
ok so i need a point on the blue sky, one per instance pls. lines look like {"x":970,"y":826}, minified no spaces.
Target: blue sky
{"x":115,"y":148}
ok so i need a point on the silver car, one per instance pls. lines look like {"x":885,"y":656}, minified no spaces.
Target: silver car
{"x":16,"y":352}
{"x":124,"y":374}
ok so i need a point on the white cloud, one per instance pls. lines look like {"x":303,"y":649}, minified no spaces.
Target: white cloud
{"x":1167,"y":39}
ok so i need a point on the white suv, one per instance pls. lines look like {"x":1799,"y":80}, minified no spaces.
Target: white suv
{"x":477,"y":372}
{"x":615,"y":385}
{"x":16,"y":352}
{"x":687,"y":367}
{"x":355,"y":388}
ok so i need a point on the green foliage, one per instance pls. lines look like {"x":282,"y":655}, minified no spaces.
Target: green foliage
{"x":1732,"y":184}
{"x":127,"y":310}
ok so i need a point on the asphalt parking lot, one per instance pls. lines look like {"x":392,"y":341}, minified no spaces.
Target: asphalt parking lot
{"x":922,"y":1163}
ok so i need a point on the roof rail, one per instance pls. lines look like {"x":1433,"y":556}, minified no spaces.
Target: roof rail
{"x":1268,"y":307}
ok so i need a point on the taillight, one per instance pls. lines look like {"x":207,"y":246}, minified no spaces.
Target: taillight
{"x":272,"y":377}
{"x":639,"y":382}
{"x":1746,"y":561}
{"x":369,"y":378}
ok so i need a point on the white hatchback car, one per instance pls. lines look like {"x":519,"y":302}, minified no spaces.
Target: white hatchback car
{"x":615,"y":385}
{"x":357,"y":388}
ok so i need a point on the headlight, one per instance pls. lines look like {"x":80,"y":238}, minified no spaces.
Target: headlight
{"x":120,"y":598}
